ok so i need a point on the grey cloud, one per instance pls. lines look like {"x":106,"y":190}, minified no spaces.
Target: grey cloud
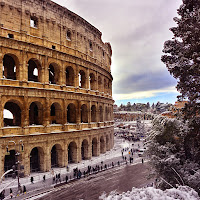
{"x":143,"y":82}
{"x":137,"y":31}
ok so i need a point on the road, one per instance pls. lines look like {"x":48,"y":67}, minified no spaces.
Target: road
{"x":121,"y":179}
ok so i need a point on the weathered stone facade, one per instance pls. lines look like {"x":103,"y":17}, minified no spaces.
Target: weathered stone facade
{"x":56,"y":82}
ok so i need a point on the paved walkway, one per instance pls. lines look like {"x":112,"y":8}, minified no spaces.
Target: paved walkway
{"x":112,"y":156}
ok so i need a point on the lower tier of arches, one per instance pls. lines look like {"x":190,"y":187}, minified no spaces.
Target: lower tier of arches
{"x":42,"y":152}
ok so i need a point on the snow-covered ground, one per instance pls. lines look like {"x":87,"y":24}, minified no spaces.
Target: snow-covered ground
{"x":116,"y":152}
{"x":150,"y":193}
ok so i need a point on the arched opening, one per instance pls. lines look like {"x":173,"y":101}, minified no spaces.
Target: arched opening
{"x":35,"y":113}
{"x":94,"y":147}
{"x":84,"y":150}
{"x":69,"y":76}
{"x":56,"y":114}
{"x":105,"y":86}
{"x":71,"y":113}
{"x":84,"y":114}
{"x":101,"y":114}
{"x":34,"y":69}
{"x":36,"y":159}
{"x":68,"y":35}
{"x":53,"y":73}
{"x":106,"y":114}
{"x":72,"y":152}
{"x":92,"y":81}
{"x":102,"y":145}
{"x":56,"y":156}
{"x":12,"y":114}
{"x":99,"y":83}
{"x":93,"y":113}
{"x":9,"y":162}
{"x":82,"y":79}
{"x":10,"y":67}
{"x":109,"y":86}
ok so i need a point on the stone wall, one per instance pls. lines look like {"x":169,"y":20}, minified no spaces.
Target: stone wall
{"x":56,"y":82}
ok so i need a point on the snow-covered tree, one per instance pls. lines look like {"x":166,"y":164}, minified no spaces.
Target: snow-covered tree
{"x":167,"y":148}
{"x":182,"y":57}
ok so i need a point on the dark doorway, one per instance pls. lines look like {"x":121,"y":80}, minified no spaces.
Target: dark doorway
{"x":34,"y":160}
{"x":10,"y":161}
{"x":54,"y":157}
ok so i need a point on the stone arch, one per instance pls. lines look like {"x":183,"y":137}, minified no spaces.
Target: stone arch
{"x":84,"y":149}
{"x":9,"y":161}
{"x":94,"y":147}
{"x":37,"y":159}
{"x":72,"y":152}
{"x":102,"y":145}
{"x":56,"y":113}
{"x":54,"y":73}
{"x":82,"y":79}
{"x":69,"y":76}
{"x":34,"y":70}
{"x":99,"y":83}
{"x":106,"y":113}
{"x":56,"y":156}
{"x":10,"y":67}
{"x":101,"y":113}
{"x":84,"y":114}
{"x":93,"y":113}
{"x":71,"y":113}
{"x":105,"y":85}
{"x":92,"y":81}
{"x":35,"y":113}
{"x":13,"y":107}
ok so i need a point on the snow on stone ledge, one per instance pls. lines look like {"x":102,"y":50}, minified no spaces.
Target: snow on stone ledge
{"x":150,"y":193}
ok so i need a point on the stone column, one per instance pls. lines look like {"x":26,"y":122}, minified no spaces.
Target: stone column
{"x":45,"y":72}
{"x":26,"y":161}
{"x":98,"y":147}
{"x":78,"y":112}
{"x":46,"y":112}
{"x":97,"y":113}
{"x":90,"y":149}
{"x":24,"y":68}
{"x":61,"y":77}
{"x":76,"y":77}
{"x":79,"y":152}
{"x":2,"y":153}
{"x":87,"y":79}
{"x":65,"y":153}
{"x":1,"y":116}
{"x":89,"y":112}
{"x":1,"y":65}
{"x":96,"y":81}
{"x":48,"y":161}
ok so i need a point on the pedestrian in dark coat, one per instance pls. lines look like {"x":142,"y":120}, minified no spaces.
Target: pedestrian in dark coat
{"x":24,"y":189}
{"x":31,"y":179}
{"x":66,"y":178}
{"x":11,"y":193}
{"x":44,"y":177}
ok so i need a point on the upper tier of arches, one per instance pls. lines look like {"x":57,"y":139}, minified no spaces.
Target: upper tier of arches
{"x":54,"y":72}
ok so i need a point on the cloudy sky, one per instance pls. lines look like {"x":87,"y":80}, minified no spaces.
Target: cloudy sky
{"x":137,"y":30}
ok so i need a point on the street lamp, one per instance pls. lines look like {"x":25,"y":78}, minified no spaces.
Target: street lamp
{"x":17,"y":153}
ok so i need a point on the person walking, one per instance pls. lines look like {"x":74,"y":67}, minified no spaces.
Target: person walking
{"x":66,"y":179}
{"x":11,"y":193}
{"x":31,"y":179}
{"x":24,"y":189}
{"x":44,"y":177}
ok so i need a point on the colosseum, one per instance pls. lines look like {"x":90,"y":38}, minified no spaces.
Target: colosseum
{"x":55,"y":87}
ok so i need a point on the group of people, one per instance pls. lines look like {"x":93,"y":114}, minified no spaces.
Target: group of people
{"x":56,"y":178}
